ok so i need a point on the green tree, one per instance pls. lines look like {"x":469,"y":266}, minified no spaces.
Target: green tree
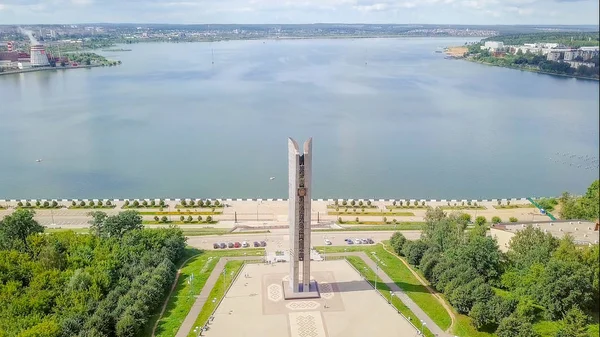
{"x":357,"y":220}
{"x":514,"y":326}
{"x":161,"y":203}
{"x":152,"y":202}
{"x":73,"y":203}
{"x":126,"y":203}
{"x":397,"y":242}
{"x":360,"y":203}
{"x":414,"y":250}
{"x":115,"y":225}
{"x":92,"y":203}
{"x":38,"y":203}
{"x":480,"y":221}
{"x":352,"y":203}
{"x":574,"y":324}
{"x":191,"y":203}
{"x":82,"y":203}
{"x":20,"y":204}
{"x":207,"y":203}
{"x":16,"y":227}
{"x":513,"y":219}
{"x":209,"y":219}
{"x":181,"y":218}
{"x":189,"y":218}
{"x":108,"y":203}
{"x":369,"y":203}
{"x":145,"y":203}
{"x":164,"y":219}
{"x":54,"y":204}
{"x":136,"y":204}
{"x":183,"y":203}
{"x":100,"y":203}
{"x":481,"y":316}
{"x":199,"y":218}
{"x":496,"y":220}
{"x":156,"y":218}
{"x":530,"y":246}
{"x":46,"y":204}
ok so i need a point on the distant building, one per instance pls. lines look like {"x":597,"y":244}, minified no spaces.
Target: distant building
{"x":571,"y":55}
{"x":553,"y":56}
{"x":493,"y":45}
{"x":583,"y":232}
{"x":38,"y":56}
{"x":576,"y":64}
{"x":24,"y":65}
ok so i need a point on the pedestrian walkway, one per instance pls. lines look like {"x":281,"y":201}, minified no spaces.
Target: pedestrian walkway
{"x":421,"y":315}
{"x":190,"y":319}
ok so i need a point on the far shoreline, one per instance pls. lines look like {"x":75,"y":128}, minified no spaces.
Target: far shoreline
{"x":32,"y":70}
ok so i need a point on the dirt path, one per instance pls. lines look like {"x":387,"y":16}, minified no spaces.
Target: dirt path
{"x":431,"y":290}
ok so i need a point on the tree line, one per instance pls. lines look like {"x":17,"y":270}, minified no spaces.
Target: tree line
{"x":571,"y":39}
{"x":107,"y":283}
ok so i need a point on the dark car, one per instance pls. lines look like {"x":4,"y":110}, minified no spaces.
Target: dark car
{"x":263,"y":243}
{"x":369,"y":240}
{"x":222,"y":245}
{"x":256,"y":244}
{"x":230,"y":245}
{"x":349,"y":241}
{"x":237,"y":245}
{"x":216,"y":246}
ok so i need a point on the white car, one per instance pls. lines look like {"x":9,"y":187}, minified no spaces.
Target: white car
{"x":327,"y":242}
{"x":357,"y":241}
{"x":245,"y":244}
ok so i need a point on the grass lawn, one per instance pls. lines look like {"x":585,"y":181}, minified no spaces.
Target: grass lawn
{"x":460,"y":208}
{"x":184,"y":294}
{"x":406,"y":207}
{"x":152,"y":222}
{"x":186,"y":213}
{"x":92,"y":207}
{"x":369,"y":274}
{"x":217,"y":293}
{"x":198,"y":207}
{"x":514,"y":206}
{"x":381,"y":226}
{"x":359,"y":214}
{"x":350,"y":206}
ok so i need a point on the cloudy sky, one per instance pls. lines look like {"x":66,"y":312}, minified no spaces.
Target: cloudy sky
{"x":301,"y":11}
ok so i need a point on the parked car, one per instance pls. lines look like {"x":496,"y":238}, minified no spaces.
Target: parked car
{"x":237,"y":245}
{"x":263,"y":243}
{"x":245,"y":244}
{"x":230,"y":245}
{"x":348,"y":241}
{"x":364,"y":241}
{"x":256,"y":244}
{"x":370,"y":241}
{"x":327,"y":242}
{"x":357,"y":241}
{"x":216,"y":246}
{"x":223,"y":245}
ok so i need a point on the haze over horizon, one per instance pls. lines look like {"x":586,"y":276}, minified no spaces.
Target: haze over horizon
{"x":471,"y":12}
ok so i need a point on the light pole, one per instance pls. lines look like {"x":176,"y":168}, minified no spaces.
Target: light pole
{"x":391,"y":295}
{"x":198,"y":331}
{"x":423,"y":324}
{"x":376,"y":273}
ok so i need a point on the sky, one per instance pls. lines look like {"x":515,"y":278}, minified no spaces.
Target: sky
{"x":301,"y":11}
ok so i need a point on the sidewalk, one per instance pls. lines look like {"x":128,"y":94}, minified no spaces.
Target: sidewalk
{"x":434,"y":328}
{"x":190,"y":319}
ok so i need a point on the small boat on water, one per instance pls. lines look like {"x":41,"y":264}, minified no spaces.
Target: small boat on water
{"x":38,"y":160}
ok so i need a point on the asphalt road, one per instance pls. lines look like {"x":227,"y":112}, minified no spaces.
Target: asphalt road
{"x":280,"y":241}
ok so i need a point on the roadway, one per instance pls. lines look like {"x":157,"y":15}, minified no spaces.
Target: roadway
{"x":278,"y":240}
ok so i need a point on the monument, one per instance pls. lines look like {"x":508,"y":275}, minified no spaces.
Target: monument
{"x":300,"y":179}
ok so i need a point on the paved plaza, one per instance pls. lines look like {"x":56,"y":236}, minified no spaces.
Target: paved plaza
{"x":348,"y":307}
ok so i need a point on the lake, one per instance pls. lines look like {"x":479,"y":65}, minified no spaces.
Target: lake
{"x":390,"y":118}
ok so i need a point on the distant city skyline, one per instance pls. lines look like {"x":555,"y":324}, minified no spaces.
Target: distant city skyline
{"x":472,"y":12}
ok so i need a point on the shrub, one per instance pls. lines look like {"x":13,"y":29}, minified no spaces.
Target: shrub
{"x":192,"y":203}
{"x":199,"y":218}
{"x":465,"y":217}
{"x":92,"y":204}
{"x":207,"y":203}
{"x":394,"y":203}
{"x":73,"y":203}
{"x":336,"y":202}
{"x":353,"y":203}
{"x":152,"y":203}
{"x":82,"y":203}
{"x":181,"y":218}
{"x":189,"y":218}
{"x":27,"y":204}
{"x":369,"y":202}
{"x":344,"y":203}
{"x":480,"y":220}
{"x":200,"y":203}
{"x":507,"y":202}
{"x":209,"y":219}
{"x":126,"y":204}
{"x":496,"y":219}
{"x":136,"y":203}
{"x":183,"y":203}
{"x":340,"y":220}
{"x":422,"y":203}
{"x":499,"y":202}
{"x":161,"y":203}
{"x":469,"y":203}
{"x":108,"y":203}
{"x":46,"y":204}
{"x":100,"y":203}
{"x":475,"y":204}
{"x":54,"y":203}
{"x":416,"y":203}
{"x":394,"y":221}
{"x":144,"y":202}
{"x":156,"y":218}
{"x":513,"y":219}
{"x":337,"y":209}
{"x":20,"y":204}
{"x":217,"y":203}
{"x":363,"y":210}
{"x":164,"y":219}
{"x":38,"y":203}
{"x":357,"y":220}
{"x":360,"y":203}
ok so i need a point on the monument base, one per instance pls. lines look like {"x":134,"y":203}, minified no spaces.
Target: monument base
{"x":288,"y":294}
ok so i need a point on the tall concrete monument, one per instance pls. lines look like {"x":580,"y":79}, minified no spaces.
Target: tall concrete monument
{"x":300,"y":179}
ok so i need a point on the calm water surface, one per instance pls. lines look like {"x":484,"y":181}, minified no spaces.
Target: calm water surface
{"x":390,"y":119}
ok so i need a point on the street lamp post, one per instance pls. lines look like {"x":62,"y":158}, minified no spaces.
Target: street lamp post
{"x":423,"y":324}
{"x":376,"y":273}
{"x":391,"y":295}
{"x":198,"y":331}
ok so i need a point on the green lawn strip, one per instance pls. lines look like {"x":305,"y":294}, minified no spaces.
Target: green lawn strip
{"x":367,"y":272}
{"x":406,"y":207}
{"x":195,"y":232}
{"x":152,"y":222}
{"x":359,"y":214}
{"x":218,"y":291}
{"x":514,"y":206}
{"x":91,"y":207}
{"x":350,"y":206}
{"x":365,"y":226}
{"x":39,"y":207}
{"x":403,"y":277}
{"x":184,"y":294}
{"x":464,"y":327}
{"x":462,"y":208}
{"x":142,"y":206}
{"x":550,"y":328}
{"x":159,"y":213}
{"x":196,"y":207}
